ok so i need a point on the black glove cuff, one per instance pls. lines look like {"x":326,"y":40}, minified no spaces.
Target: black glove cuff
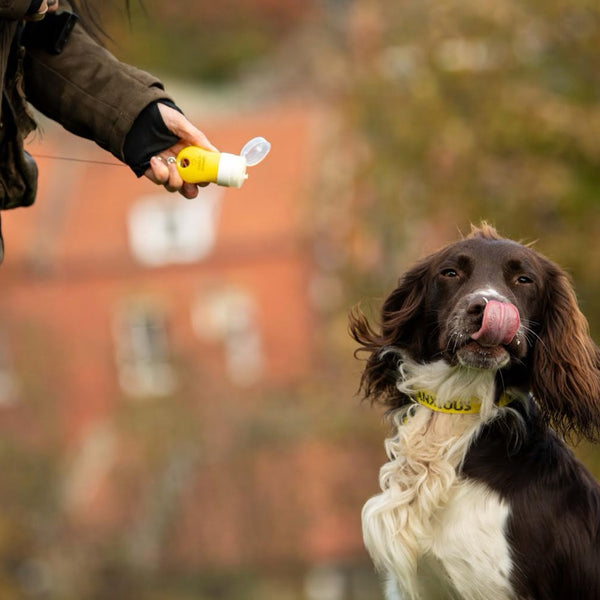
{"x":148,"y":137}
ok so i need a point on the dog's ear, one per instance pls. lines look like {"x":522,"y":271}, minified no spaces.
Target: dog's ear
{"x":566,"y":362}
{"x":401,"y":327}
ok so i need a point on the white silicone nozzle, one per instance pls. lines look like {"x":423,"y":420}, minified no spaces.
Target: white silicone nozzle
{"x":232,"y":170}
{"x":255,"y":150}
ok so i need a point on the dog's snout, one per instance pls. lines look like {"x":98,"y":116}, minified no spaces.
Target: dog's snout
{"x":487,"y":316}
{"x":474,"y":309}
{"x":476,"y":306}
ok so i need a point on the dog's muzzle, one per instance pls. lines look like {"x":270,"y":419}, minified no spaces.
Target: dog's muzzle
{"x":499,"y":324}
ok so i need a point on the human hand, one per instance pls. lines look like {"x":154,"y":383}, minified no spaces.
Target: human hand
{"x":163,"y":171}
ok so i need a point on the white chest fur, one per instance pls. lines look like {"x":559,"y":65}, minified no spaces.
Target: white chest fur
{"x":438,"y":536}
{"x":469,"y":542}
{"x":457,"y":551}
{"x":467,"y":556}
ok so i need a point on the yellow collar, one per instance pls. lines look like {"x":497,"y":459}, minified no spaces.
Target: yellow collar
{"x":459,"y":406}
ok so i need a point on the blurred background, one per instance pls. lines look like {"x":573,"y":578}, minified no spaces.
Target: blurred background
{"x":178,"y":395}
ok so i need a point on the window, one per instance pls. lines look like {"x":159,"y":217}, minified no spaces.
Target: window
{"x":228,"y":315}
{"x":165,"y":229}
{"x":142,"y":351}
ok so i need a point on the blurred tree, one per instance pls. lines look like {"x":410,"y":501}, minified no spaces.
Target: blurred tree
{"x":206,"y":41}
{"x":460,"y":111}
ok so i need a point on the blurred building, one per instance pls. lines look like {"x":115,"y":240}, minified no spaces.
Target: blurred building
{"x":122,"y":283}
{"x":165,"y":346}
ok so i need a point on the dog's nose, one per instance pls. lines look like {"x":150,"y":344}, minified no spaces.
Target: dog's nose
{"x":476,"y":307}
{"x":498,"y":322}
{"x":474,"y":311}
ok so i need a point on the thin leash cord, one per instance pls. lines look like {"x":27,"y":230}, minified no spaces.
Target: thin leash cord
{"x":80,"y":160}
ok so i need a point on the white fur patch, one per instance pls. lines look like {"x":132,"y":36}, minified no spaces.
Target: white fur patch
{"x":468,"y":539}
{"x":449,"y":383}
{"x":489,"y":294}
{"x":423,"y":530}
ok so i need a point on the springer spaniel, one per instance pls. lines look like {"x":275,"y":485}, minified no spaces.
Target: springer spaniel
{"x":486,"y":364}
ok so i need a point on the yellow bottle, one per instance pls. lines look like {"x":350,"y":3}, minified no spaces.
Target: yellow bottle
{"x":197,"y":165}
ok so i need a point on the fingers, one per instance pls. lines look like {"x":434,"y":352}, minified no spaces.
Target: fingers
{"x":165,"y":173}
{"x":163,"y":170}
{"x":189,"y":191}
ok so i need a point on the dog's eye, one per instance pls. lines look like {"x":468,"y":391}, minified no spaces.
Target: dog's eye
{"x":450,"y":273}
{"x":523,"y":279}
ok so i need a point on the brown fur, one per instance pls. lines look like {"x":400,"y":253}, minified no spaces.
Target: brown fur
{"x":561,"y":366}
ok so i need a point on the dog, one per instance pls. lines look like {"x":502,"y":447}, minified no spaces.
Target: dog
{"x":486,"y":365}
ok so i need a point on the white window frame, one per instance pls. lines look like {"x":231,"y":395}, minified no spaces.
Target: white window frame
{"x":165,"y":229}
{"x":142,"y":350}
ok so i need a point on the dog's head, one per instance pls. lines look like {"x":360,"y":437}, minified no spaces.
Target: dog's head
{"x":487,"y":302}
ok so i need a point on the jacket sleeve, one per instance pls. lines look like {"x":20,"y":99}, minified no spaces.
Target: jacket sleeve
{"x":88,"y":91}
{"x":13,"y":9}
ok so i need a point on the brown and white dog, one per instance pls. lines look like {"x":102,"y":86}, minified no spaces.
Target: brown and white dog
{"x":486,"y":364}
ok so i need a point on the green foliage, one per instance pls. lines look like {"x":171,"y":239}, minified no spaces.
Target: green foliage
{"x":207,"y":42}
{"x":483,"y":110}
{"x":474,"y":110}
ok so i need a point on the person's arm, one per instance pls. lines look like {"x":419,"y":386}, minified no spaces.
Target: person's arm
{"x":123,"y":109}
{"x":89,"y":91}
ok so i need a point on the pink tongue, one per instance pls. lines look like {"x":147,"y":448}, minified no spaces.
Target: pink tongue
{"x":499,"y":325}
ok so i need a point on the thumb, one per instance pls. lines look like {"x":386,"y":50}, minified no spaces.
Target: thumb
{"x":180,"y":126}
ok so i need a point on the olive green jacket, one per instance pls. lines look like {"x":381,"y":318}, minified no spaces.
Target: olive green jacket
{"x":84,"y":88}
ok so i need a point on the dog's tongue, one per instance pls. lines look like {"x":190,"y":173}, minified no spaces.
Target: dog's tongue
{"x":499,"y":325}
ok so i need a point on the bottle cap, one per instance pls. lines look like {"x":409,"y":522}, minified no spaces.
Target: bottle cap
{"x":255,"y":150}
{"x":232,"y":170}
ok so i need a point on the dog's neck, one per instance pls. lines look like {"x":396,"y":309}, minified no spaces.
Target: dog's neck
{"x":438,"y":385}
{"x":458,"y":406}
{"x":426,"y":451}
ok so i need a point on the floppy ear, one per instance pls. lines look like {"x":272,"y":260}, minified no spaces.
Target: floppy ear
{"x":401,"y":327}
{"x":566,"y":363}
